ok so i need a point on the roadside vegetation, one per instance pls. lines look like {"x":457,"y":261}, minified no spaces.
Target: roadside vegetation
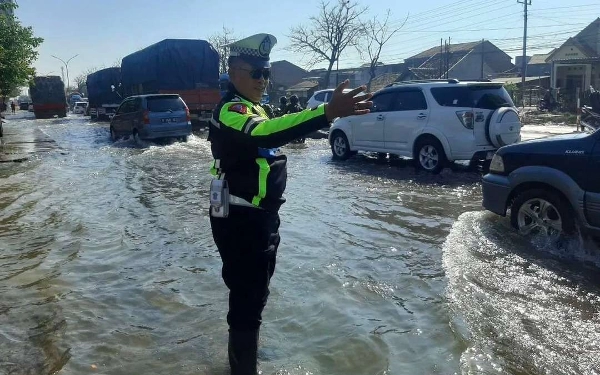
{"x":17,"y":52}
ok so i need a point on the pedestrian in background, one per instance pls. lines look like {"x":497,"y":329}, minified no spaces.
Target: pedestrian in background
{"x":294,"y":107}
{"x":12,"y":107}
{"x":283,"y":101}
{"x":250,"y":178}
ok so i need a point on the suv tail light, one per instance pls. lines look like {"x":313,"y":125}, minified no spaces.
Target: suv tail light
{"x":466,"y":118}
{"x":146,"y":117}
{"x":187,"y":115}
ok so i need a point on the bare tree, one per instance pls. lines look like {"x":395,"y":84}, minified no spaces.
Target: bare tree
{"x":377,"y":33}
{"x":221,"y":42}
{"x":335,"y":28}
{"x":80,"y":80}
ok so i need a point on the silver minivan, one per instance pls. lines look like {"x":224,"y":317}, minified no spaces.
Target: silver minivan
{"x":152,"y":116}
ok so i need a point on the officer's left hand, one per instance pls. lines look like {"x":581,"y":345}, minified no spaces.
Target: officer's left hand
{"x":349,"y":103}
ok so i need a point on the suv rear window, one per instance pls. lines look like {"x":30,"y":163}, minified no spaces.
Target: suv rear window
{"x":484,"y":96}
{"x":165,"y":103}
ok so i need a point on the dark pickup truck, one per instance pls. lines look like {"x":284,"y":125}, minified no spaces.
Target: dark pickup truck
{"x":550,"y":185}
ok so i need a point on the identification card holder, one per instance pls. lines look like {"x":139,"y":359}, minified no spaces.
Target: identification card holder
{"x":219,"y":198}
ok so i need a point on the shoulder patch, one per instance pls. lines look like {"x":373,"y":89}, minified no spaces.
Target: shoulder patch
{"x":239,"y":108}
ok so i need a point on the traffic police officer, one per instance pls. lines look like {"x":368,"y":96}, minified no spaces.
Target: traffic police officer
{"x":250,"y":178}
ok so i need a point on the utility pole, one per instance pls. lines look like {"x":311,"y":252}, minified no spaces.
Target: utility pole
{"x":482,"y":41}
{"x":441,"y":57}
{"x":524,"y":62}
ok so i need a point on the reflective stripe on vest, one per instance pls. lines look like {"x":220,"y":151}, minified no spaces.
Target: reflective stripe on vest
{"x":263,"y":174}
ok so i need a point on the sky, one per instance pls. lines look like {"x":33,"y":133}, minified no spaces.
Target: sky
{"x":99,"y":33}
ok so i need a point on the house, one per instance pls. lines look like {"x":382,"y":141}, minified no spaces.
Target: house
{"x":383,"y":80}
{"x":537,"y":66}
{"x":463,"y":61}
{"x":356,"y":76}
{"x":284,"y":74}
{"x":575,"y":65}
{"x":303,"y":90}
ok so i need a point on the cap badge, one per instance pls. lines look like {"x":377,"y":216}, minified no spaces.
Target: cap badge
{"x":265,"y":47}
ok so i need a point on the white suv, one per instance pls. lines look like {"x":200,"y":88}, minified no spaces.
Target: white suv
{"x":320,"y":97}
{"x":80,"y":107}
{"x":433,"y":122}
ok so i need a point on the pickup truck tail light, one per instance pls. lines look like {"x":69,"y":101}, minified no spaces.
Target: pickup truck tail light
{"x":466,"y":118}
{"x":146,"y":117}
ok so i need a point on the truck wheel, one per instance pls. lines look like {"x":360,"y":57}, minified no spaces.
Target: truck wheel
{"x":542,"y":211}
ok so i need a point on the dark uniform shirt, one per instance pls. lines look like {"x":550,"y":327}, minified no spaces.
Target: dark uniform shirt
{"x":244,"y":141}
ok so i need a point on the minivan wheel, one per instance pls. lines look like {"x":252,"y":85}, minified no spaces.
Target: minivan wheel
{"x":183,"y":138}
{"x":135,"y":137}
{"x":113,"y":135}
{"x":543,"y":212}
{"x":430,"y":156}
{"x":340,"y":146}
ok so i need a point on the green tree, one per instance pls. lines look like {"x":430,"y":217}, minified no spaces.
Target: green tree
{"x":17,"y":51}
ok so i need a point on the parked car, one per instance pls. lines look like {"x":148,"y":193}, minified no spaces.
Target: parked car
{"x":549,"y":185}
{"x":152,"y":117}
{"x":80,"y":107}
{"x":321,"y":97}
{"x":433,"y":122}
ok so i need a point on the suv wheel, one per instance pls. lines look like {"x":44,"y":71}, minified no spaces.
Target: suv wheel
{"x":541,"y":211}
{"x":429,"y":155}
{"x":340,"y":146}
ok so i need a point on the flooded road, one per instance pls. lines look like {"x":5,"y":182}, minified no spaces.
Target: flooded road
{"x":107,"y":266}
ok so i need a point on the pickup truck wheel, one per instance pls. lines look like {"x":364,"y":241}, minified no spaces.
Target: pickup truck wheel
{"x":542,"y":211}
{"x":430,"y":156}
{"x":340,"y":146}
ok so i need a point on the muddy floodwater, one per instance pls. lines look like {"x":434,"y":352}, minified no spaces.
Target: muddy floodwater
{"x":107,"y":266}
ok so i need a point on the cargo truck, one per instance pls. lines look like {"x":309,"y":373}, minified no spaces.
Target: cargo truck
{"x":103,"y":99}
{"x":188,"y":67}
{"x":48,"y":96}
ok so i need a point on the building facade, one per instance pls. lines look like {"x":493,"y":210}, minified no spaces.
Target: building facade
{"x":575,"y":65}
{"x":463,"y":61}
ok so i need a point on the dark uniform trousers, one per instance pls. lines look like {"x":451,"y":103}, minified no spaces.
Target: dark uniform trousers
{"x":247,"y":241}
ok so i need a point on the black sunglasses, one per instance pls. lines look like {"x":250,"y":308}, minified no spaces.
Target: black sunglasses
{"x":258,"y":73}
